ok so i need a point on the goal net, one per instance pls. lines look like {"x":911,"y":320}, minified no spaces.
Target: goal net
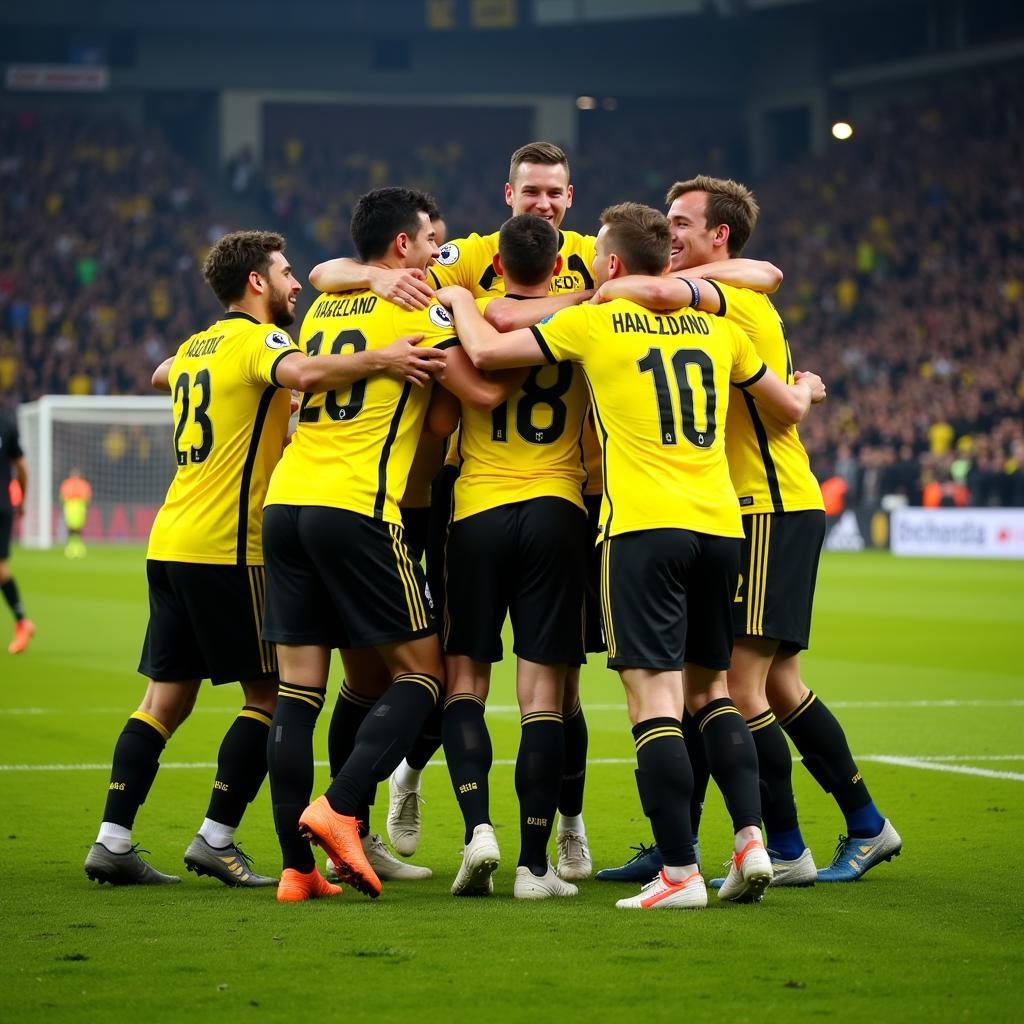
{"x":122,"y":445}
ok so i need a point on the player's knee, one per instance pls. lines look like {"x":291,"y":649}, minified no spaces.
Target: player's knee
{"x":262,"y":695}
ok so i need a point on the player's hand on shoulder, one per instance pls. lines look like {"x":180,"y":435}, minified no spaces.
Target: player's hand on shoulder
{"x":406,"y":287}
{"x":600,"y":295}
{"x":816,"y":384}
{"x":405,"y":361}
{"x":447,"y":296}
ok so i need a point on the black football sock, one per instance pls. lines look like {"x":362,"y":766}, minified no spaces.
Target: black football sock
{"x":350,"y":710}
{"x":384,"y":738}
{"x":13,"y":598}
{"x":819,"y":737}
{"x":574,"y":768}
{"x":775,"y":769}
{"x":538,"y":780}
{"x":427,"y":743}
{"x":664,"y":781}
{"x":134,"y":767}
{"x":290,"y":757}
{"x":467,"y":749}
{"x":732,"y":759}
{"x":241,"y":767}
{"x":701,"y":773}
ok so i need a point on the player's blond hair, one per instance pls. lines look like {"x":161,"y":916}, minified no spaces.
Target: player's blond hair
{"x":546,"y":153}
{"x":729,"y":203}
{"x":639,"y":236}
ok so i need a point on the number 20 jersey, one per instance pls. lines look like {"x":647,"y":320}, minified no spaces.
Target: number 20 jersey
{"x":230,"y":423}
{"x":353,"y":449}
{"x":659,"y":387}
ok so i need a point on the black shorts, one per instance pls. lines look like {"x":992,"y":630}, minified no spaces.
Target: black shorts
{"x":339,"y":579}
{"x":778,"y":569}
{"x":442,"y":491}
{"x":414,"y":529}
{"x":6,"y":529}
{"x":528,"y":560}
{"x":204,"y":623}
{"x":593,"y":630}
{"x":667,"y":598}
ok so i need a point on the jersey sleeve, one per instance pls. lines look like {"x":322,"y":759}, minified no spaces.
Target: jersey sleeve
{"x":267,"y":345}
{"x":563,"y":336}
{"x":463,"y":261}
{"x":747,"y":366}
{"x":742,"y":306}
{"x":434,"y":323}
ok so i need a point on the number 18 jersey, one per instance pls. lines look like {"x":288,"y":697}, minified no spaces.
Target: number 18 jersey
{"x":230,"y":422}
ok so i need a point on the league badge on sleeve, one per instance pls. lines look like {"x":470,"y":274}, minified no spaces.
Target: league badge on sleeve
{"x":440,"y":317}
{"x":278,"y":339}
{"x":449,"y":254}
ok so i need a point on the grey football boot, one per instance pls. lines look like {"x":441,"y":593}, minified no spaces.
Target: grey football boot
{"x":123,"y":868}
{"x":228,"y":863}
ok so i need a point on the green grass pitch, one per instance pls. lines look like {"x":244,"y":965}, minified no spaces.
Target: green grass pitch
{"x":920,"y":660}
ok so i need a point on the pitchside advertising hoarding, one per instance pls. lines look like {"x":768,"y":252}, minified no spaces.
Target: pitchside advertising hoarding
{"x":958,"y":532}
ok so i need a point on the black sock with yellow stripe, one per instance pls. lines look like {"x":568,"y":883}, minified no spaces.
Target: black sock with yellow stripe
{"x":383,"y":739}
{"x":665,"y":783}
{"x":290,"y":757}
{"x":775,"y":769}
{"x":574,"y":767}
{"x":134,"y":767}
{"x":428,"y":742}
{"x":241,"y":766}
{"x":701,"y":772}
{"x":822,"y":743}
{"x":538,"y":781}
{"x":732,"y":758}
{"x":350,"y":710}
{"x":467,"y":749}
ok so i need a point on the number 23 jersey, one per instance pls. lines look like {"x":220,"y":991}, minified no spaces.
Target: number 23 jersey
{"x":659,"y":388}
{"x":230,"y":423}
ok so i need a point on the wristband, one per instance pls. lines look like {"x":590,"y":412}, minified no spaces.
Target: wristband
{"x":694,"y":292}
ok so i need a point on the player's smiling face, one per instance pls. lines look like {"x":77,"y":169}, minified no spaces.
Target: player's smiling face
{"x":540,"y":189}
{"x":283,"y":290}
{"x":422,"y":249}
{"x":693,"y":243}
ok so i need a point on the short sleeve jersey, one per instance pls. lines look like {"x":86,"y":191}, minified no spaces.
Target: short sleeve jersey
{"x":659,"y":386}
{"x":767,"y":460}
{"x":469,"y":262}
{"x":528,"y":447}
{"x":10,"y":450}
{"x":353,"y":448}
{"x":230,"y":424}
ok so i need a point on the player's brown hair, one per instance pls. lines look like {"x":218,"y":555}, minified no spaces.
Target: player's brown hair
{"x":639,"y":236}
{"x":729,"y":203}
{"x":528,"y":247}
{"x":234,"y":257}
{"x":537,"y":153}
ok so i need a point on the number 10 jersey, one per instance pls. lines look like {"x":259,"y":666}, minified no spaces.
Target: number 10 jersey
{"x":230,"y":423}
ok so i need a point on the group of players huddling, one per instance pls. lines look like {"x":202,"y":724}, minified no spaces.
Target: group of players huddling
{"x":623,"y":473}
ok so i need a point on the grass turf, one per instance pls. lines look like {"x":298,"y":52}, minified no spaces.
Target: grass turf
{"x":933,"y":936}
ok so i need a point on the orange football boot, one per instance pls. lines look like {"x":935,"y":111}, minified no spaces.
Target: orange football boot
{"x":295,"y":887}
{"x":338,"y":835}
{"x":23,"y":630}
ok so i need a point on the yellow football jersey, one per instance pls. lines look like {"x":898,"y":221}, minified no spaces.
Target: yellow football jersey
{"x":767,"y":460}
{"x":469,"y":262}
{"x":529,"y":446}
{"x":353,"y":449}
{"x":230,"y":423}
{"x":659,"y":387}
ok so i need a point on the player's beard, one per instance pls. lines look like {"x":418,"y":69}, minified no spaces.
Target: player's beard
{"x":280,"y":309}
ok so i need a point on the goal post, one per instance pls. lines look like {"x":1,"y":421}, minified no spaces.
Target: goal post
{"x":121,"y":444}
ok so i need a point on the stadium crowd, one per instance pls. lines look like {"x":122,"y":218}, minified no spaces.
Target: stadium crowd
{"x":904,"y":276}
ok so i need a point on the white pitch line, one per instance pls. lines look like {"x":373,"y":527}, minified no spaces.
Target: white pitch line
{"x":933,"y":763}
{"x":509,"y":709}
